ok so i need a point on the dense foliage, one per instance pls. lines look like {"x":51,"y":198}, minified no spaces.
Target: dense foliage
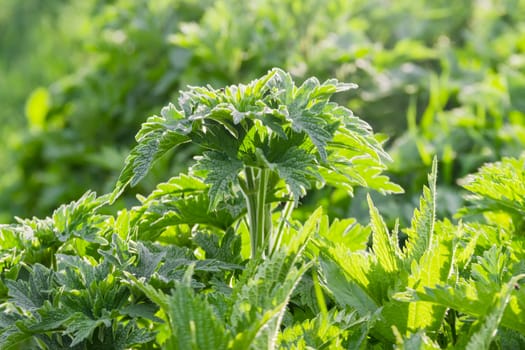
{"x":264,"y":214}
{"x":214,"y":258}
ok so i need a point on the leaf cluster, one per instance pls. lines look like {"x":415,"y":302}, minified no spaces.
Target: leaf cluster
{"x":269,"y":123}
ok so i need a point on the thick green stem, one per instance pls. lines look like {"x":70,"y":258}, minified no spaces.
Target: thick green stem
{"x":259,"y":214}
{"x":263,"y":230}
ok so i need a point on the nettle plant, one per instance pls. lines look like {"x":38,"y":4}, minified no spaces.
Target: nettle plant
{"x":171,"y":272}
{"x":267,"y":142}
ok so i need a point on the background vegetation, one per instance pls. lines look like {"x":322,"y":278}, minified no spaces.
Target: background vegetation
{"x":79,"y":77}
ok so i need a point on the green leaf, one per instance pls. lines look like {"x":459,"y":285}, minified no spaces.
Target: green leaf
{"x":239,"y":119}
{"x":222,"y":172}
{"x":11,"y":337}
{"x":263,"y":292}
{"x":422,"y":230}
{"x":294,"y":167}
{"x":79,"y":219}
{"x":345,"y":291}
{"x":194,"y":323}
{"x":148,"y":261}
{"x":155,"y":295}
{"x":348,"y":233}
{"x":129,"y":335}
{"x":497,"y":187}
{"x":435,"y":267}
{"x":417,"y":341}
{"x":183,"y":200}
{"x":368,"y":280}
{"x":142,"y":310}
{"x":183,"y":184}
{"x":37,"y":108}
{"x":492,"y":268}
{"x":322,"y":332}
{"x":227,"y":248}
{"x":31,"y":295}
{"x":474,"y":300}
{"x":51,"y":318}
{"x":487,"y":326}
{"x":156,"y":137}
{"x":81,"y":327}
{"x":385,"y":246}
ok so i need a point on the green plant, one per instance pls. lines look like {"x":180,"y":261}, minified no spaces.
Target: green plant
{"x":367,"y":282}
{"x":447,"y":285}
{"x":61,"y":152}
{"x":269,"y":140}
{"x":217,"y":258}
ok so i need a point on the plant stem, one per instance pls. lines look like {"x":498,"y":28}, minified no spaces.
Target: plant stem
{"x":275,"y":241}
{"x":247,"y":191}
{"x":263,"y":228}
{"x":259,"y":220}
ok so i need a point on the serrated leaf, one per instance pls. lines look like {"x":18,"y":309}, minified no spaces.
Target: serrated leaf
{"x":323,"y":332}
{"x":422,"y":229}
{"x":222,"y":172}
{"x":497,"y":187}
{"x":472,"y":299}
{"x":183,"y":184}
{"x":154,"y":140}
{"x":51,"y":318}
{"x":81,"y":327}
{"x":11,"y":336}
{"x":264,"y":290}
{"x":141,"y":310}
{"x":385,"y":247}
{"x":194,"y":324}
{"x":227,"y":248}
{"x":147,"y":263}
{"x":488,"y":325}
{"x":191,"y":210}
{"x":31,"y":295}
{"x":347,"y":232}
{"x":304,"y":120}
{"x":417,"y":341}
{"x":220,"y":119}
{"x":294,"y":167}
{"x":434,"y":267}
{"x":130,"y":335}
{"x":79,"y":219}
{"x":346,"y":292}
{"x":154,"y":294}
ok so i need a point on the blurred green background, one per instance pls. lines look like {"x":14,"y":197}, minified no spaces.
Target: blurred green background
{"x":78,"y":77}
